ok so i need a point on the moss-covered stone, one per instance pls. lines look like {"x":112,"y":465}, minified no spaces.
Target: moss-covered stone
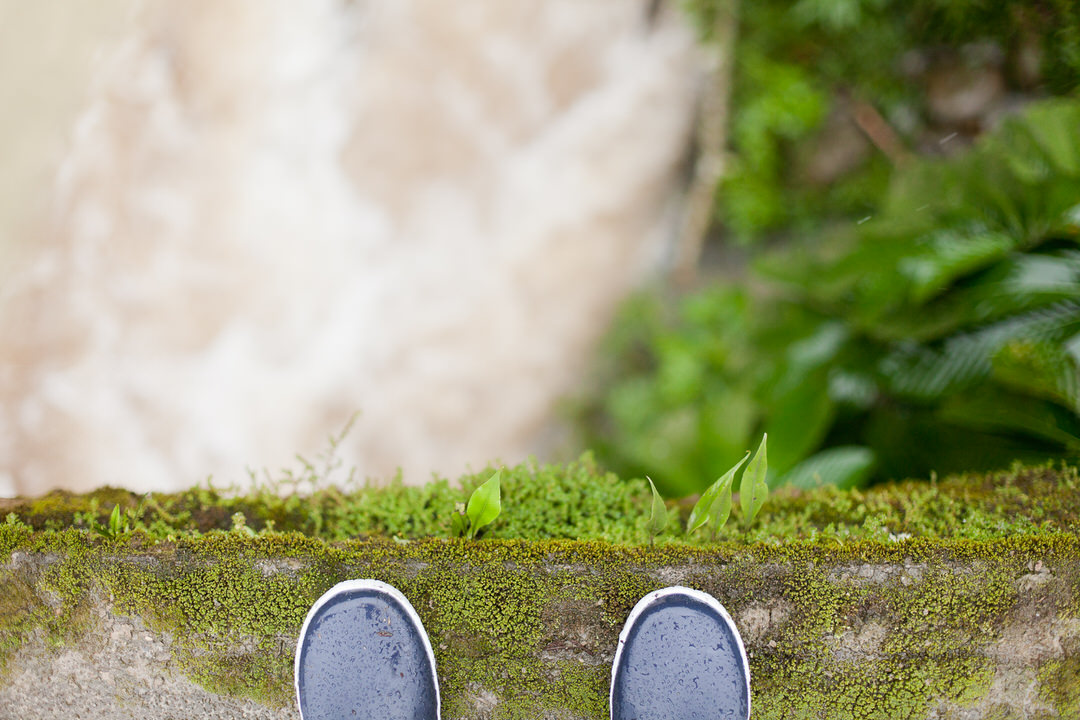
{"x":954,"y":599}
{"x":528,"y":629}
{"x":1061,"y":684}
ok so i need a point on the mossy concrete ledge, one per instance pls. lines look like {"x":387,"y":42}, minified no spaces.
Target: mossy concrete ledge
{"x":206,"y":627}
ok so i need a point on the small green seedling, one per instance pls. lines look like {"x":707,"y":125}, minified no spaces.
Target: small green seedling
{"x":118,"y":525}
{"x":484,"y":506}
{"x":714,"y":506}
{"x":240,"y":526}
{"x":753,"y":490}
{"x":458,"y":522}
{"x":657,"y":513}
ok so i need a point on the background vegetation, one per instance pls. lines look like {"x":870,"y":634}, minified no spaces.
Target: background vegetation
{"x":810,"y":73}
{"x":911,"y":200}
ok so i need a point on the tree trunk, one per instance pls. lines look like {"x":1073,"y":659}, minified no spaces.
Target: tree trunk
{"x":712,"y":136}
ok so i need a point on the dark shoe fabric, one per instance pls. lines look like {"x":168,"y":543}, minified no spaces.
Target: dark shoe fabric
{"x":363,"y":653}
{"x":680,"y":657}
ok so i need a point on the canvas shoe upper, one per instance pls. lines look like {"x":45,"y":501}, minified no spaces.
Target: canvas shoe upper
{"x":680,"y":657}
{"x":363,"y":653}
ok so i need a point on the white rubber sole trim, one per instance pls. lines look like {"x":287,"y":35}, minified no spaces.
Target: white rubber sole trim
{"x":644,"y":604}
{"x":347,"y":586}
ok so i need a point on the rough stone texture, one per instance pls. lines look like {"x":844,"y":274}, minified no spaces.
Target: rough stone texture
{"x":958,"y":630}
{"x":120,"y":670}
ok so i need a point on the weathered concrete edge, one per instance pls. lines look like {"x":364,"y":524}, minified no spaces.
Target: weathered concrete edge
{"x":524,"y":630}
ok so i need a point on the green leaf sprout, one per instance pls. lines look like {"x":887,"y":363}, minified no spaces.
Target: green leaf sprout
{"x":753,"y":490}
{"x":657,"y":513}
{"x":118,"y":525}
{"x":714,"y":506}
{"x":459,"y":524}
{"x":484,"y":506}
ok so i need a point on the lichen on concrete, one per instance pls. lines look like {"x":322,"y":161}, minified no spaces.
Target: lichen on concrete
{"x":534,"y":624}
{"x":950,"y":623}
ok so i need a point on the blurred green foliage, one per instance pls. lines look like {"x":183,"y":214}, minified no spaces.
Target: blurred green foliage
{"x":797,"y":63}
{"x":941,"y":335}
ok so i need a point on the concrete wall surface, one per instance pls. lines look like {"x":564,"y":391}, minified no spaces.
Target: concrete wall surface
{"x":207,"y":628}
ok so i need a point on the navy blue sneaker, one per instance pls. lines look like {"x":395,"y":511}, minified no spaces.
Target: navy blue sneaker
{"x":363,"y":653}
{"x":680,"y":657}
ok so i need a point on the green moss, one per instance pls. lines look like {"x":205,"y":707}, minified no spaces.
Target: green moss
{"x":1060,"y":685}
{"x":50,"y":602}
{"x":533,"y":622}
{"x":23,"y":611}
{"x":582,"y":502}
{"x":951,"y":608}
{"x":499,"y":611}
{"x":930,"y":653}
{"x":884,"y":690}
